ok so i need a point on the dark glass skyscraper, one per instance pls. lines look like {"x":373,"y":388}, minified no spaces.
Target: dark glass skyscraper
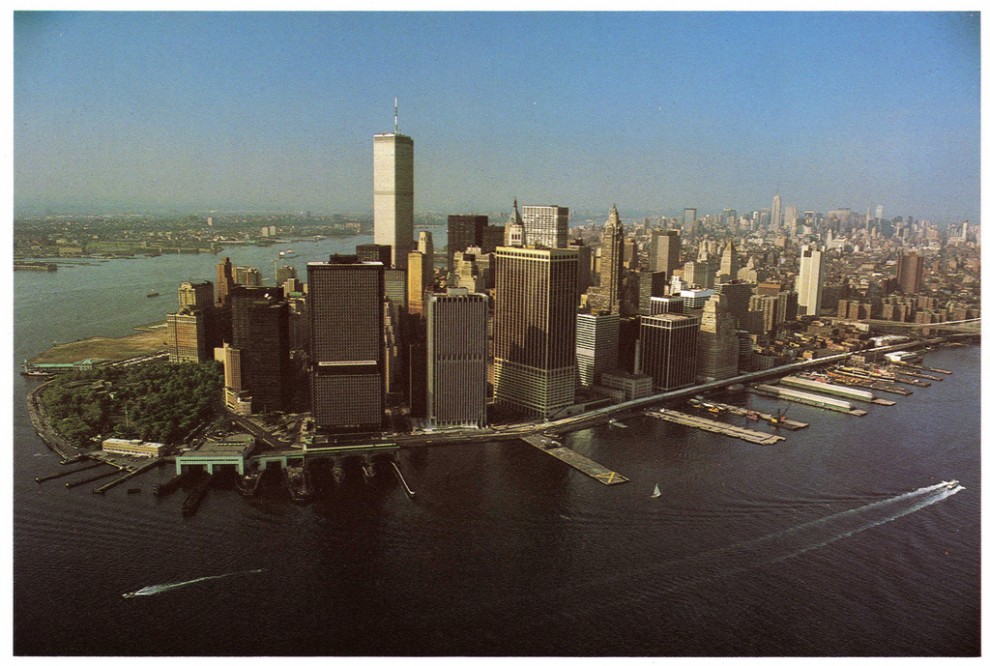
{"x":260,"y":325}
{"x":347,"y":343}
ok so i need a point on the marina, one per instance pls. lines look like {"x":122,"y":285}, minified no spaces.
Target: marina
{"x":710,"y":425}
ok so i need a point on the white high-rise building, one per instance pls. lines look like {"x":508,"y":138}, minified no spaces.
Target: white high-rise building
{"x":597,"y":346}
{"x":546,"y":226}
{"x":879,"y":212}
{"x":393,"y":184}
{"x":811,"y":279}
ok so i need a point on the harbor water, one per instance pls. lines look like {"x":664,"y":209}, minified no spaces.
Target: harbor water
{"x":840,"y":540}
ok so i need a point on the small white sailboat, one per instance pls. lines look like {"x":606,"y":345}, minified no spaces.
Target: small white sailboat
{"x":656,"y":491}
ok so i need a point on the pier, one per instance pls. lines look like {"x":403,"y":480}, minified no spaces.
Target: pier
{"x":137,"y":470}
{"x":73,"y":484}
{"x":822,"y":386}
{"x":805,"y":398}
{"x":710,"y":425}
{"x":575,"y":460}
{"x":41,"y":479}
{"x":787,"y":424}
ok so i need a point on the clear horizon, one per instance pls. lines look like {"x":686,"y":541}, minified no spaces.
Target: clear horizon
{"x":275,"y":112}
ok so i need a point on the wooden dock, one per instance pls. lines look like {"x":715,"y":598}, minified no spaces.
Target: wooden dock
{"x":807,"y":398}
{"x":754,"y":436}
{"x":575,"y":460}
{"x":787,"y":424}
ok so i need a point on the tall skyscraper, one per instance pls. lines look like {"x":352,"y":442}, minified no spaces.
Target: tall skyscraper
{"x":515,"y":229}
{"x":534,"y":329}
{"x":650,"y":286}
{"x":346,"y":344}
{"x":669,"y":344}
{"x":416,"y":271}
{"x":225,"y":280}
{"x":606,"y":297}
{"x":393,"y":182}
{"x":425,"y":246}
{"x":457,"y":358}
{"x":196,"y":295}
{"x":879,"y":212}
{"x":729,"y":268}
{"x":718,"y":345}
{"x":260,"y":324}
{"x":546,"y":226}
{"x":775,"y":212}
{"x":186,"y":335}
{"x":464,"y":231}
{"x":665,"y":252}
{"x":910,"y":272}
{"x":690,"y":220}
{"x":597,"y":346}
{"x":811,"y":279}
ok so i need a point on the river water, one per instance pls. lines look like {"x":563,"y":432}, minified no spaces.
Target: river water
{"x":837,"y":541}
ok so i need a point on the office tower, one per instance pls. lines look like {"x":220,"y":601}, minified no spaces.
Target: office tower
{"x":879,"y":212}
{"x":393,"y":182}
{"x":775,"y":212}
{"x":650,"y":286}
{"x":374,"y":252}
{"x":606,"y":297}
{"x":346,"y":348}
{"x":750,"y":273}
{"x":910,"y":272}
{"x":196,"y":295}
{"x":491,"y":237}
{"x":597,"y":346}
{"x":515,"y":230}
{"x":236,"y":398}
{"x":416,"y":273}
{"x":718,"y":346}
{"x":546,"y":226}
{"x":699,"y":274}
{"x":791,"y":219}
{"x":457,"y":358}
{"x":729,"y":268}
{"x":669,"y":344}
{"x":766,"y":313}
{"x":187,"y":337}
{"x":690,"y":216}
{"x":534,"y":329}
{"x":666,"y":305}
{"x":736,"y":296}
{"x":247,"y":276}
{"x":464,"y":231}
{"x":811,"y":279}
{"x":396,"y":289}
{"x":665,"y":252}
{"x":630,"y":254}
{"x":283,"y":273}
{"x":745,"y":363}
{"x":585,"y":261}
{"x":425,"y":247}
{"x":260,"y":326}
{"x":225,"y":280}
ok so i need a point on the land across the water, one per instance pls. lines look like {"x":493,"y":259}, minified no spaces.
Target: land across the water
{"x":149,"y":339}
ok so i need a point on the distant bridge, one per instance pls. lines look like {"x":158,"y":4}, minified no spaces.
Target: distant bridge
{"x":910,"y":324}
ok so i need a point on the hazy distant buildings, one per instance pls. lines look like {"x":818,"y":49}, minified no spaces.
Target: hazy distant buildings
{"x":393,"y":183}
{"x":457,"y":357}
{"x":346,"y":343}
{"x":546,"y":226}
{"x":775,"y":212}
{"x":811,"y":279}
{"x":534,"y":329}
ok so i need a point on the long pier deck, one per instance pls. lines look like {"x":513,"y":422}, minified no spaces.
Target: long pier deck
{"x":787,"y":424}
{"x":574,"y":459}
{"x":746,"y":434}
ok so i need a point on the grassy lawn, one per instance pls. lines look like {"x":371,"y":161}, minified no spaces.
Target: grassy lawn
{"x":150,"y":339}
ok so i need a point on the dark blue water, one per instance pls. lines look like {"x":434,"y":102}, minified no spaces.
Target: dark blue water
{"x":837,"y":541}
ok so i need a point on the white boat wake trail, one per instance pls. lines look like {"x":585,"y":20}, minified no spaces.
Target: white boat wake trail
{"x":167,"y":587}
{"x":672,"y":576}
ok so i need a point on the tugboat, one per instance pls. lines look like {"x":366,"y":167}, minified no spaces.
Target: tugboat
{"x":152,"y":294}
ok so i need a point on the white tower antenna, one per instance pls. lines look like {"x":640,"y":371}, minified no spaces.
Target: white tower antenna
{"x":396,"y":115}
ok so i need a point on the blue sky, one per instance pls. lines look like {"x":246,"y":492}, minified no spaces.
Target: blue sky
{"x":652,"y":111}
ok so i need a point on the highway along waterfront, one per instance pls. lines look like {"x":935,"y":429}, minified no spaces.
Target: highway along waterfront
{"x":505,"y":550}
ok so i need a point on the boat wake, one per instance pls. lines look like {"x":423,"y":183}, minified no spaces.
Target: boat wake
{"x":151,"y":590}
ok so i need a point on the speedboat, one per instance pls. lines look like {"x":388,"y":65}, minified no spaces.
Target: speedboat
{"x":951,"y":484}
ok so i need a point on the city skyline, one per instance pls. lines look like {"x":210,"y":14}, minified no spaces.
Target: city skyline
{"x":276,"y":111}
